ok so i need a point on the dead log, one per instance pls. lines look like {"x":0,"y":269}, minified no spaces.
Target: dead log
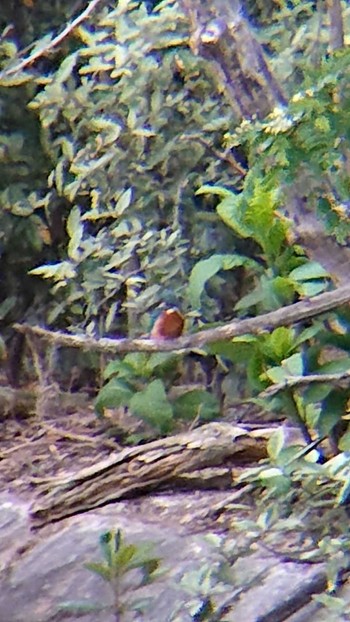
{"x":139,"y":469}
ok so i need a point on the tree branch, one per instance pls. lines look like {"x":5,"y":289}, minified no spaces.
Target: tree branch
{"x":29,"y":60}
{"x":292,"y":382}
{"x":285,"y":316}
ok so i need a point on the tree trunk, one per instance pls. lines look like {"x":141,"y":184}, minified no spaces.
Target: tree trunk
{"x":221,"y":34}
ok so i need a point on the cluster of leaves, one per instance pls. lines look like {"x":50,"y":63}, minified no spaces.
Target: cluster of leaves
{"x":307,"y":144}
{"x":281,"y":275}
{"x":127,"y":136}
{"x":315,"y":502}
{"x":142,"y":383}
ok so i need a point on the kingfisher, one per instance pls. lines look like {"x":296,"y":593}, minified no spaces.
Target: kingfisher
{"x":168,"y":325}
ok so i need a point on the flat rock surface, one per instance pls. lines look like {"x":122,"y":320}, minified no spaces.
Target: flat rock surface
{"x":43,"y":571}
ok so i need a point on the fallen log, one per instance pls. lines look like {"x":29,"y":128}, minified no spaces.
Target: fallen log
{"x":137,"y":470}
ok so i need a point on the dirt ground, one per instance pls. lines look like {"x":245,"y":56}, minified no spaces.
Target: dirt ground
{"x":38,"y":447}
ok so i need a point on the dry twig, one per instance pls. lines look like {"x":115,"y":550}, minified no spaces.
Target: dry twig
{"x":292,"y":382}
{"x":29,"y":60}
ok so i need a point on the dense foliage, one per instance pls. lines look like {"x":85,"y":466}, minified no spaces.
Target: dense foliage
{"x":128,"y":181}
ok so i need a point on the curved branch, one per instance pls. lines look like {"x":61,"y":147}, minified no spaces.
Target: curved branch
{"x":285,"y":316}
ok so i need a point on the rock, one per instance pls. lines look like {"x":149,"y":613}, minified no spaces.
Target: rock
{"x":44,"y":570}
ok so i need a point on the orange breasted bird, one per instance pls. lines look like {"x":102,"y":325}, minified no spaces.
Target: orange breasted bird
{"x":168,"y":325}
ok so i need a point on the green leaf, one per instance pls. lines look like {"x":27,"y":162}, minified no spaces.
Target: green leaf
{"x":277,"y":375}
{"x":294,"y":365}
{"x":197,"y":404}
{"x":308,"y":271}
{"x":279,"y":344}
{"x":316,"y":392}
{"x":114,"y":394}
{"x":309,"y":289}
{"x":335,"y":367}
{"x":161,"y":361}
{"x":307,"y":334}
{"x":283,"y":289}
{"x":123,"y":202}
{"x":344,"y":494}
{"x":207,"y":268}
{"x":344,"y":443}
{"x":99,"y":568}
{"x":75,"y":231}
{"x":152,"y":406}
{"x":138,"y":361}
{"x":214,"y":190}
{"x":231,"y":212}
{"x":124,"y":556}
{"x":275,"y":444}
{"x":252,"y":299}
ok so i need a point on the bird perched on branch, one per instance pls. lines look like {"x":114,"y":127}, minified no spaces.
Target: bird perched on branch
{"x":168,"y":325}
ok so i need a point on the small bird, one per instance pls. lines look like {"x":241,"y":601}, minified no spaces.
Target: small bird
{"x":168,"y":325}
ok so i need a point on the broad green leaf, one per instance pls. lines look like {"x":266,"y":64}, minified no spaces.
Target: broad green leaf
{"x":235,"y":350}
{"x":307,"y":334}
{"x":152,"y":406}
{"x":308,"y":272}
{"x":277,"y":375}
{"x":274,"y":479}
{"x":279,"y":344}
{"x":294,"y":365}
{"x":335,"y":367}
{"x":160,"y":360}
{"x":114,"y":394}
{"x":197,"y":403}
{"x":316,"y":392}
{"x":207,"y":268}
{"x":231,"y":212}
{"x":251,"y":300}
{"x":138,"y":362}
{"x":283,"y":289}
{"x":118,"y":367}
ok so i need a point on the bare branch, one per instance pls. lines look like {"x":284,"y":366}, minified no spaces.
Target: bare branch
{"x":292,"y":382}
{"x":53,"y":43}
{"x":263,"y":323}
